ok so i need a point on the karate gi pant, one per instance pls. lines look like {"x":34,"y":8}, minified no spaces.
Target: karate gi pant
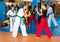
{"x":52,"y":18}
{"x":30,"y":20}
{"x":17,"y":23}
{"x":12,"y":19}
{"x":43,"y":25}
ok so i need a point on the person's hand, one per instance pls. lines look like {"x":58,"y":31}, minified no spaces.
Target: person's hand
{"x":9,"y":16}
{"x":26,"y":10}
{"x":37,"y":10}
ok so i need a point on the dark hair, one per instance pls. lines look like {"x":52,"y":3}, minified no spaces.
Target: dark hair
{"x":45,"y":5}
{"x":12,"y":5}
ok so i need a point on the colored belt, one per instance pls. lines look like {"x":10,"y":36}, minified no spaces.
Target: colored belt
{"x":49,"y":14}
{"x":12,"y":16}
{"x":21,"y":20}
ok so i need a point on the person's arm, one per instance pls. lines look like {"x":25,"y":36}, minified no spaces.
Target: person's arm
{"x":20,"y":13}
{"x":29,"y":13}
{"x":15,"y":13}
{"x":49,"y":10}
{"x":8,"y":14}
{"x":25,"y":13}
{"x":39,"y":13}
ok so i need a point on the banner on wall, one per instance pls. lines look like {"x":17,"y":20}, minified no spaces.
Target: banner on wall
{"x":2,"y":11}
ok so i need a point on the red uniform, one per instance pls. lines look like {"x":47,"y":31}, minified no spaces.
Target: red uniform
{"x":32,"y":17}
{"x":43,"y":25}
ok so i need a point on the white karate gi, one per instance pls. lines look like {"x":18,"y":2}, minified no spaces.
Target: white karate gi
{"x":12,"y":18}
{"x":19,"y":22}
{"x":51,"y":17}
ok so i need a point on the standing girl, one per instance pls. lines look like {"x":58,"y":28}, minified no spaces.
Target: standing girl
{"x":43,"y":23}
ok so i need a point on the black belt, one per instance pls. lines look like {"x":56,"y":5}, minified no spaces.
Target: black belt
{"x":50,"y":13}
{"x":12,"y":16}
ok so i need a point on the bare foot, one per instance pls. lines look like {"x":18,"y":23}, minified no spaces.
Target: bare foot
{"x":37,"y":37}
{"x":51,"y":37}
{"x":25,"y":36}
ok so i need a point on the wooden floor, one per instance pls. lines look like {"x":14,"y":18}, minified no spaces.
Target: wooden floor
{"x":6,"y":37}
